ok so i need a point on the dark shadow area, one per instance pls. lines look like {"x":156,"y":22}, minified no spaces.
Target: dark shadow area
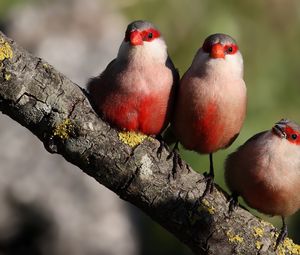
{"x":34,"y":230}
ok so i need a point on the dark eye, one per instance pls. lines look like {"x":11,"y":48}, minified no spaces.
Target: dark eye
{"x":150,"y":35}
{"x":230,"y":49}
{"x":294,"y":136}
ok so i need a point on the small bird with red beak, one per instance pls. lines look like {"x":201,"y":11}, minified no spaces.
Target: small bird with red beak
{"x":211,"y":101}
{"x":135,"y":91}
{"x":265,"y":172}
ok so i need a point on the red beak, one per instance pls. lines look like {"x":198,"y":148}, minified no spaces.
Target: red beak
{"x":136,"y":38}
{"x":217,"y":51}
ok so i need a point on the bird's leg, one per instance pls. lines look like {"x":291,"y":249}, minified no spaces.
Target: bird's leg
{"x":233,"y":202}
{"x":283,"y":233}
{"x":177,"y":161}
{"x":209,"y":178}
{"x":162,"y":145}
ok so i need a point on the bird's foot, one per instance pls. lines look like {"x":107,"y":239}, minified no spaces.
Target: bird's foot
{"x":209,"y":179}
{"x":162,"y":145}
{"x":282,"y":235}
{"x":233,"y":202}
{"x":177,"y":161}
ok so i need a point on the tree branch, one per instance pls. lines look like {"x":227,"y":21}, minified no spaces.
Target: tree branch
{"x":58,"y":112}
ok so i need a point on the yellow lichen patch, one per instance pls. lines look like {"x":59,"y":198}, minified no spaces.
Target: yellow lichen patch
{"x":64,"y":129}
{"x":274,"y":234}
{"x":258,"y":245}
{"x":5,"y":50}
{"x":210,"y":208}
{"x":7,"y":76}
{"x":258,"y":232}
{"x":234,"y":238}
{"x":288,"y":247}
{"x":132,"y":138}
{"x":150,"y":138}
{"x":280,"y":250}
{"x":266,"y":224}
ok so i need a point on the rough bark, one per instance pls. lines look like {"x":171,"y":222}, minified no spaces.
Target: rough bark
{"x":59,"y":113}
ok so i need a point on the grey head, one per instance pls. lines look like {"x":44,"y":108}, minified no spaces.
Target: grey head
{"x":139,"y":25}
{"x":220,"y":43}
{"x":288,"y":129}
{"x":140,"y":31}
{"x":219,"y":38}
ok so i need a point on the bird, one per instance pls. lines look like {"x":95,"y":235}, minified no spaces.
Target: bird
{"x":136,"y":90}
{"x":265,"y":172}
{"x":211,"y":100}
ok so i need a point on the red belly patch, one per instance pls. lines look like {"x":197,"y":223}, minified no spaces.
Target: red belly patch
{"x":208,"y":129}
{"x":147,"y":117}
{"x":144,"y":114}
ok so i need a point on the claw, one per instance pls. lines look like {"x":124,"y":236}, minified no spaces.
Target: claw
{"x":209,"y":179}
{"x":233,"y":202}
{"x":162,"y":145}
{"x":177,"y":161}
{"x":282,"y":235}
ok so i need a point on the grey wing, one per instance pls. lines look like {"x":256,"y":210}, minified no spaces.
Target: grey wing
{"x":176,"y":78}
{"x":173,"y":97}
{"x":95,"y":81}
{"x":256,"y":136}
{"x":169,"y":64}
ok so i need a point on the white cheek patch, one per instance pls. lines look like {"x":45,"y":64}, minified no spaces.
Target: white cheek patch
{"x":285,"y":155}
{"x":232,"y":63}
{"x":155,"y":49}
{"x":236,"y":62}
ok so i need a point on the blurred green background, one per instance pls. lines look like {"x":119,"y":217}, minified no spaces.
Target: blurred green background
{"x":268,"y":34}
